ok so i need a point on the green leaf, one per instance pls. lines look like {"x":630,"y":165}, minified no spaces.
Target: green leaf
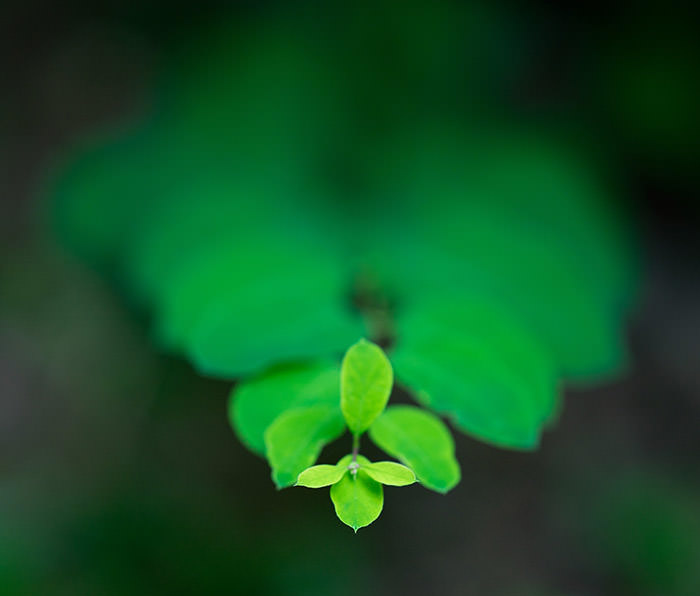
{"x":366,"y":378}
{"x":358,"y":499}
{"x":421,"y":441}
{"x":523,"y":222}
{"x":320,"y":476}
{"x":473,"y":361}
{"x":295,"y":439}
{"x":390,"y":473}
{"x":255,"y":403}
{"x":239,"y":305}
{"x":275,"y":331}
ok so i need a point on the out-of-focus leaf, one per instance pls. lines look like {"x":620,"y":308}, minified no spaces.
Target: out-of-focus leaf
{"x":523,"y":187}
{"x":239,"y":307}
{"x":475,"y":363}
{"x":255,"y":403}
{"x":284,"y":328}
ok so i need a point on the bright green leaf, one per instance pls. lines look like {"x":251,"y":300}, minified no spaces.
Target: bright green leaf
{"x":366,"y":378}
{"x":294,"y":440}
{"x":358,"y":499}
{"x":320,"y":476}
{"x":390,"y":473}
{"x":256,"y":402}
{"x":421,"y":441}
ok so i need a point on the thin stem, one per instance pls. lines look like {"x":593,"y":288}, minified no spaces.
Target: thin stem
{"x":355,"y":447}
{"x":353,"y":465}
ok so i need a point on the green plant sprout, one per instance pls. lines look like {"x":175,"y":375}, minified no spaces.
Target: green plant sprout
{"x":366,"y":379}
{"x":292,"y":441}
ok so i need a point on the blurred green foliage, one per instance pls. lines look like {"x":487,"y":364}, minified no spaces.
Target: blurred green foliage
{"x":282,"y":202}
{"x":377,"y":165}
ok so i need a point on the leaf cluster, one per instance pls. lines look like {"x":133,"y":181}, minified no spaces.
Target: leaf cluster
{"x":266,"y":226}
{"x":366,"y":380}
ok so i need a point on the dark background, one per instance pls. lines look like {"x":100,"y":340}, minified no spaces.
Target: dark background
{"x":119,"y":472}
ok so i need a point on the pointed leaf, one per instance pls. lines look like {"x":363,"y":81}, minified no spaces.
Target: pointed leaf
{"x":390,"y":473}
{"x":294,"y":440}
{"x":358,"y":499}
{"x":320,"y":476}
{"x":421,"y":441}
{"x":366,"y":378}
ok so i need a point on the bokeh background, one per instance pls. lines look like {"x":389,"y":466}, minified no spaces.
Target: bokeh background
{"x":119,"y":472}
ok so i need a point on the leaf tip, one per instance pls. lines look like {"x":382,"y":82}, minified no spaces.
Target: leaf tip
{"x":280,"y":483}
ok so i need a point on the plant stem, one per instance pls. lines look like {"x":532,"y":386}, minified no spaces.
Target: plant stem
{"x":353,"y":466}
{"x":355,"y":447}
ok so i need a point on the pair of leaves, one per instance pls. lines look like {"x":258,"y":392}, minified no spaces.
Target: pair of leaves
{"x":385,"y":472}
{"x":356,"y":486}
